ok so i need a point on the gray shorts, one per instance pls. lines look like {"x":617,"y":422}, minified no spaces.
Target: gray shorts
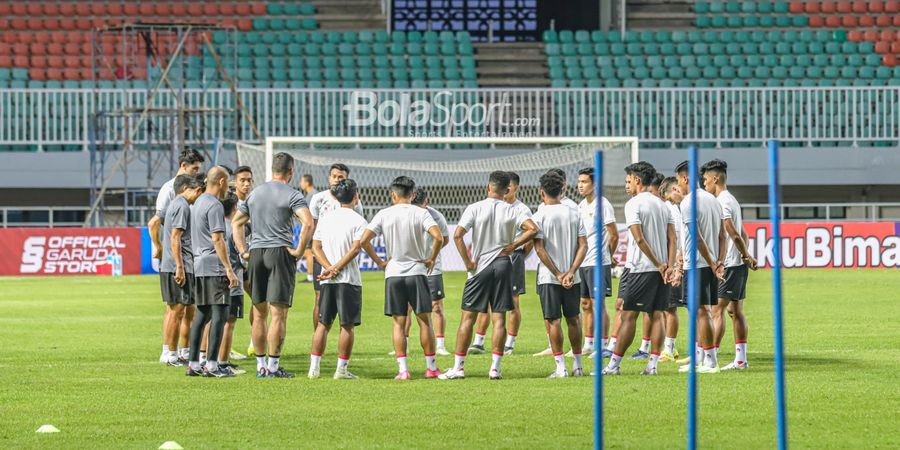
{"x":340,"y":300}
{"x":212,"y":291}
{"x":587,"y":282}
{"x":436,"y":287}
{"x":492,"y":287}
{"x":402,"y":292}
{"x":272,"y":276}
{"x":735,"y":285}
{"x":558,"y":302}
{"x":236,"y":309}
{"x":518,"y":272}
{"x":172,"y":293}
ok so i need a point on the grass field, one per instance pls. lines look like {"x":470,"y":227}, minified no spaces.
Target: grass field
{"x":80,"y":353}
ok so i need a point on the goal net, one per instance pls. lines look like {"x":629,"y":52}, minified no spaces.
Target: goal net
{"x":452,"y":170}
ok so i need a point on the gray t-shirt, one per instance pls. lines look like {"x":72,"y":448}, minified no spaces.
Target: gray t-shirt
{"x":404,"y":227}
{"x":309,"y":195}
{"x":445,"y":231}
{"x":166,"y":194}
{"x":493,"y":224}
{"x":559,"y":227}
{"x":207,"y":217}
{"x":709,"y":221}
{"x":271,"y":207}
{"x":235,"y":257}
{"x":176,"y":215}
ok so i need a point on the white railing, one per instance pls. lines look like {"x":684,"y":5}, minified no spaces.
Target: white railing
{"x":658,"y":116}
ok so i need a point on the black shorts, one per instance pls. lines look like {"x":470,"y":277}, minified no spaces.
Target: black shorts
{"x":623,"y":283}
{"x":492,"y":287}
{"x":436,"y":287}
{"x":317,"y":269}
{"x":677,"y":298}
{"x":646,"y":292}
{"x":558,"y":302}
{"x":735,"y":285}
{"x":340,"y":300}
{"x":518,"y":272}
{"x":172,"y":293}
{"x":236,"y":310}
{"x":402,"y":292}
{"x":212,"y":291}
{"x":587,"y":281}
{"x":709,"y":287}
{"x":272,"y":276}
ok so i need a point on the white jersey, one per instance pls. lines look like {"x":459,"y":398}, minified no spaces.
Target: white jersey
{"x":731,"y":209}
{"x":709,"y":222}
{"x":559,"y":227}
{"x":323,"y":202}
{"x":166,"y":194}
{"x":404,"y":227}
{"x":563,"y":200}
{"x":445,"y":232}
{"x":493,"y":224}
{"x":587,"y":211}
{"x":648,"y":211}
{"x":520,"y":208}
{"x":337,"y":231}
{"x":679,"y":225}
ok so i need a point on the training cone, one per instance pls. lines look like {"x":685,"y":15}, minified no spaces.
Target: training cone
{"x":47,"y":429}
{"x":170,"y":445}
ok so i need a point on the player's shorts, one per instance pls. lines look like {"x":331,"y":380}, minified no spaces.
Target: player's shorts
{"x":518,"y":272}
{"x":677,"y":297}
{"x":342,"y":300}
{"x":317,"y":270}
{"x":402,"y":292}
{"x":492,"y":287}
{"x":735,"y":285}
{"x":212,"y":291}
{"x":587,"y":281}
{"x":236,"y":309}
{"x":646,"y":292}
{"x":272,"y":276}
{"x":558,"y":302}
{"x":709,"y":287}
{"x":436,"y":287}
{"x":623,"y":283}
{"x":172,"y":293}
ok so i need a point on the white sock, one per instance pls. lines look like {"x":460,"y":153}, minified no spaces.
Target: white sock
{"x":309,"y":277}
{"x":604,"y":342}
{"x":651,"y":362}
{"x":459,"y":362}
{"x":194,"y":365}
{"x":716,"y":352}
{"x":202,"y":356}
{"x":549,"y":342}
{"x":740,"y":352}
{"x":614,"y":360}
{"x":212,"y":366}
{"x":698,"y":351}
{"x":589,"y":342}
{"x":560,"y":362}
{"x":645,"y":345}
{"x":495,"y":361}
{"x":710,"y":358}
{"x":430,"y":362}
{"x":315,"y":361}
{"x":343,"y":363}
{"x":401,"y":362}
{"x":440,"y":341}
{"x":273,"y":364}
{"x":669,"y":345}
{"x":479,"y":339}
{"x":166,"y":349}
{"x":510,"y":340}
{"x":612,"y":344}
{"x":260,"y":363}
{"x":185,"y":352}
{"x":577,"y":363}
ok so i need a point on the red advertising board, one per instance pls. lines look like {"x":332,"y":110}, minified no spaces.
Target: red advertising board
{"x":67,"y":251}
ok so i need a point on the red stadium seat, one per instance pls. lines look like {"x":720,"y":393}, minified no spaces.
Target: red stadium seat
{"x":844,"y":7}
{"x":20,"y":9}
{"x":816,"y":21}
{"x":83,"y":24}
{"x":9,"y":37}
{"x":37,"y":74}
{"x":146,"y":9}
{"x":892,"y":6}
{"x":34,"y":24}
{"x":20,"y":48}
{"x":896,"y":20}
{"x":42,"y":37}
{"x":883,"y":20}
{"x":67,"y":23}
{"x":882,"y":47}
{"x":855,"y":36}
{"x":56,"y":62}
{"x":876,"y":7}
{"x":66,"y":9}
{"x":796,"y":7}
{"x":50,"y":24}
{"x":195,"y":10}
{"x":37,"y":49}
{"x":5,"y":9}
{"x":58,"y":37}
{"x":226,"y":9}
{"x":18,"y":24}
{"x":86,"y":73}
{"x":245,"y":24}
{"x":55,"y":73}
{"x":82,"y":9}
{"x":859,"y":7}
{"x":210,"y":9}
{"x":71,"y":48}
{"x":229,"y":22}
{"x":811,"y":7}
{"x":833,"y":21}
{"x":20,"y":60}
{"x":39,"y":61}
{"x":71,"y":73}
{"x":131,"y":9}
{"x":889,"y":60}
{"x":34,"y":9}
{"x":829,"y":7}
{"x":99,"y":22}
{"x":5,"y":49}
{"x":6,"y":61}
{"x":849,"y":21}
{"x":886,"y":35}
{"x":163,"y":9}
{"x":179,"y":10}
{"x":258,"y":9}
{"x":870,"y":35}
{"x":866,"y":21}
{"x":98,"y":9}
{"x":243,"y":9}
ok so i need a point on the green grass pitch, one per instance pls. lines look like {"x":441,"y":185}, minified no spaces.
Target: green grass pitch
{"x":80,"y":353}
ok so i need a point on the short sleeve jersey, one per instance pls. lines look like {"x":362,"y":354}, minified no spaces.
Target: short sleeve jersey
{"x":648,"y":211}
{"x":337,"y":231}
{"x":404,"y":227}
{"x":493,"y":224}
{"x":176,"y":215}
{"x":559,"y":227}
{"x":564,"y":201}
{"x":271,"y":207}
{"x":521,"y":208}
{"x":587,"y":211}
{"x":445,"y":231}
{"x":235,"y":258}
{"x":166,"y":194}
{"x":679,"y":224}
{"x":709,"y":222}
{"x":731,"y":209}
{"x":207,"y":217}
{"x":323,"y":202}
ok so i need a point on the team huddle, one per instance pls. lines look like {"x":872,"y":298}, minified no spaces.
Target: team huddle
{"x":215,"y":244}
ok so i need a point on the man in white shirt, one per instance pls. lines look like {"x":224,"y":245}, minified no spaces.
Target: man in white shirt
{"x":409,"y":263}
{"x":336,"y":243}
{"x":561,"y":246}
{"x":671,"y":193}
{"x":436,"y":279}
{"x":494,"y":224}
{"x":737,"y":263}
{"x":652,"y":256}
{"x":587,"y":210}
{"x":710,"y":268}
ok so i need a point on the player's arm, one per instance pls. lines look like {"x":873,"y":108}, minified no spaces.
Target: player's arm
{"x":445,"y":240}
{"x":436,"y":245}
{"x":461,"y":248}
{"x":739,"y":242}
{"x":238,"y":222}
{"x":176,"y":254}
{"x":707,"y":255}
{"x":613,"y":234}
{"x":545,"y":259}
{"x":154,"y":226}
{"x":529,"y":231}
{"x":218,"y":238}
{"x":347,"y":258}
{"x":638,"y":233}
{"x":672,"y":245}
{"x":579,"y":258}
{"x":527,"y":248}
{"x":306,"y":231}
{"x":366,"y":244}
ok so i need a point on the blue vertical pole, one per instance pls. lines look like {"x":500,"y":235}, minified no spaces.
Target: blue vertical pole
{"x":775,"y":215}
{"x":599,"y":299}
{"x":693,"y":300}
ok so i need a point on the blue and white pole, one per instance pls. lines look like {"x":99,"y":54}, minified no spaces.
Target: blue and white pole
{"x":693,"y":300}
{"x":775,"y":215}
{"x":600,"y":299}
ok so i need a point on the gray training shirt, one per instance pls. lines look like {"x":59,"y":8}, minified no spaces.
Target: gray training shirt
{"x":271,"y":207}
{"x":176,"y":214}
{"x":207,"y":217}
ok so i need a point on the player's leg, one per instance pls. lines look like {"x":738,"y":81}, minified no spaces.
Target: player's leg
{"x":571,"y":305}
{"x":184,"y":330}
{"x":707,"y":297}
{"x":587,"y":294}
{"x":475,"y":302}
{"x":317,"y":287}
{"x":551,"y":307}
{"x":670,"y":319}
{"x":616,"y":324}
{"x":248,"y":290}
{"x":481,"y":326}
{"x":398,"y":336}
{"x":643,"y":351}
{"x":170,"y":339}
{"x":204,"y":344}
{"x":518,"y":289}
{"x":219,"y":316}
{"x":500,"y":302}
{"x":440,"y":326}
{"x":345,"y":349}
{"x":308,"y":254}
{"x":741,"y":332}
{"x":202,"y":316}
{"x":235,"y":312}
{"x":420,"y":295}
{"x":463,"y":338}
{"x":227,"y":339}
{"x":657,"y":324}
{"x":275,"y":339}
{"x":258,"y":332}
{"x":350,"y":311}
{"x":320,"y":340}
